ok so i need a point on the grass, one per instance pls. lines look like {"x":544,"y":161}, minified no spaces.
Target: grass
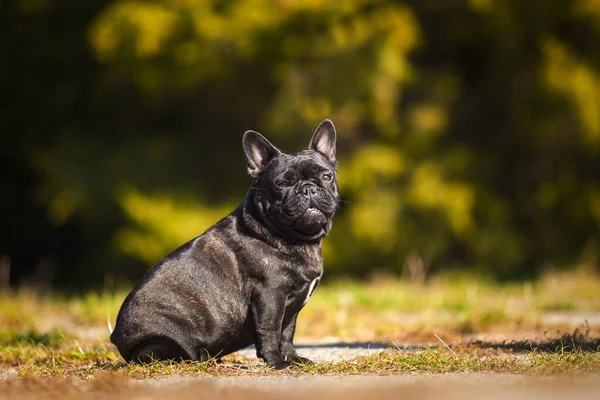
{"x":53,"y":335}
{"x":462,"y":304}
{"x":71,"y":360}
{"x":30,"y":337}
{"x":380,"y":309}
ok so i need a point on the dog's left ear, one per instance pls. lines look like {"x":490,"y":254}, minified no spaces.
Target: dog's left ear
{"x":323,"y":141}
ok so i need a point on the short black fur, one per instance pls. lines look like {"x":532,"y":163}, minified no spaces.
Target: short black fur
{"x":245,"y":279}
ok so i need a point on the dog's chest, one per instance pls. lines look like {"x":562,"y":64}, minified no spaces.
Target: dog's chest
{"x":311,"y":289}
{"x":302,"y":290}
{"x":303,"y":277}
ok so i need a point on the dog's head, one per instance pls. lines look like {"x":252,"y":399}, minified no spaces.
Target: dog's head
{"x":296,"y":194}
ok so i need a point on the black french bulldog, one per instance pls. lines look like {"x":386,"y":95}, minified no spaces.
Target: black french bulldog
{"x":244,"y":280}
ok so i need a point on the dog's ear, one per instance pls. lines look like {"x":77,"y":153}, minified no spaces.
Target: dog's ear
{"x":258,"y":151}
{"x":323,"y":141}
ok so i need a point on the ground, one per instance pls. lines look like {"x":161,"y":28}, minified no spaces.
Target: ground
{"x":451,"y":336}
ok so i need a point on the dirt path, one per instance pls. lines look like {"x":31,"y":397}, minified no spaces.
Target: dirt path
{"x":434,"y":386}
{"x":422,"y":386}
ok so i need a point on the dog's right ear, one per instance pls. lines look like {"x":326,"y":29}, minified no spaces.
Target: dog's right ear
{"x":258,"y":151}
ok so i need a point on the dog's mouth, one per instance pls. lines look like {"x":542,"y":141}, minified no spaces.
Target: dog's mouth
{"x":311,"y":222}
{"x":313,"y":216}
{"x":318,"y":233}
{"x":313,"y":210}
{"x":304,"y":221}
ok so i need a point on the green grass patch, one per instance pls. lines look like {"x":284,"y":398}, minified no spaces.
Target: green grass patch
{"x":101,"y":361}
{"x":437,"y":362}
{"x":381,"y":308}
{"x":55,"y":335}
{"x":569,"y":353}
{"x":31,"y":337}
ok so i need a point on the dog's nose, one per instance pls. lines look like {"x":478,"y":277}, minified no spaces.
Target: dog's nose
{"x":308,"y":189}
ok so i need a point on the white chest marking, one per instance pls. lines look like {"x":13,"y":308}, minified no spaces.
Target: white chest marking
{"x":311,"y":289}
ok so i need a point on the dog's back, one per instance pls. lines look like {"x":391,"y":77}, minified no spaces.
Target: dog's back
{"x":194,"y":297}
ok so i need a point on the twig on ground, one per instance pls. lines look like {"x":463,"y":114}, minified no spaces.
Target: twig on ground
{"x":397,"y":347}
{"x":444,"y":343}
{"x":79,"y":348}
{"x":110,"y":328}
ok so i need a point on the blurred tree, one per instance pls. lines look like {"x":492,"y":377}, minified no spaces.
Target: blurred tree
{"x":469,"y":131}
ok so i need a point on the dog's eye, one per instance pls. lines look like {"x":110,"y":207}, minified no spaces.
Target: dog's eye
{"x":282,"y":184}
{"x":326,"y":178}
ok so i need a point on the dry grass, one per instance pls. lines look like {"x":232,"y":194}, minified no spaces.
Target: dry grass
{"x":452,"y":303}
{"x":70,"y":359}
{"x":67,"y":337}
{"x":380,"y":309}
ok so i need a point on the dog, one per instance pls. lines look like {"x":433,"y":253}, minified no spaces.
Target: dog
{"x":245,"y":279}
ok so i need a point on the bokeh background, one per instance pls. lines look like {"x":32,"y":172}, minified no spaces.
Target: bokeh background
{"x":468,"y":130}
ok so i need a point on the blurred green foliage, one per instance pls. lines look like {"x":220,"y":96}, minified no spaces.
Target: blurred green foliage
{"x":469,"y":131}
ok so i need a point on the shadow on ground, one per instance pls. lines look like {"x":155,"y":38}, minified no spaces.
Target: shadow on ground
{"x":364,"y":346}
{"x":568,"y":342}
{"x":579,"y":340}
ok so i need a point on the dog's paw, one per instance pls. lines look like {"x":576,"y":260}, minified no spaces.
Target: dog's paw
{"x":278,"y":364}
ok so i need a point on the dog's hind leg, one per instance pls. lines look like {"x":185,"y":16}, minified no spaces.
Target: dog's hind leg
{"x":158,"y":349}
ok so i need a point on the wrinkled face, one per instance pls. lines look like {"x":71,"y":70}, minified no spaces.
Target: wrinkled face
{"x":300,"y":194}
{"x":296,"y":195}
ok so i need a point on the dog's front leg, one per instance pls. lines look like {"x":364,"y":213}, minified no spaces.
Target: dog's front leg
{"x":267,"y":313}
{"x":288,"y":351}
